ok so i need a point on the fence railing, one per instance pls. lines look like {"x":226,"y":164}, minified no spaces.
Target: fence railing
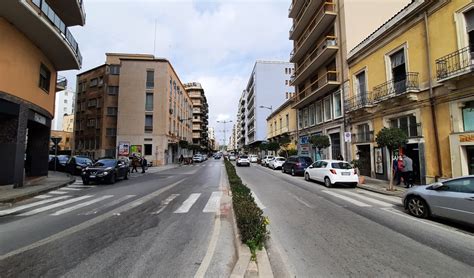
{"x":327,"y":41}
{"x":359,"y":101}
{"x":397,"y":86}
{"x":330,"y":76}
{"x":453,"y":64}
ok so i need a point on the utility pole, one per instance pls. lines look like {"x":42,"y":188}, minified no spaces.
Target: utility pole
{"x":225,"y":122}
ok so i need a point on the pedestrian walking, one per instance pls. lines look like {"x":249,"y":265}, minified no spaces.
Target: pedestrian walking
{"x":135,"y":163}
{"x":144,"y":163}
{"x":340,"y":157}
{"x":398,"y":168}
{"x":181,"y":159}
{"x":408,"y":170}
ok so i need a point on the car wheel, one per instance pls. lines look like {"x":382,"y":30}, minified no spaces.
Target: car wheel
{"x":306,"y":176}
{"x":126,"y":176}
{"x":418,"y":207}
{"x":327,"y":182}
{"x":292,"y":171}
{"x":112,"y":179}
{"x":85,"y":182}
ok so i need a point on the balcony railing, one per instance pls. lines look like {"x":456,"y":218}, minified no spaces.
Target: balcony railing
{"x":328,"y":41}
{"x":56,"y":21}
{"x":455,"y":64}
{"x":395,"y":87}
{"x":298,"y":17}
{"x":330,"y":76}
{"x":359,"y":101}
{"x":326,"y":7}
{"x":363,"y":137}
{"x":61,"y":83}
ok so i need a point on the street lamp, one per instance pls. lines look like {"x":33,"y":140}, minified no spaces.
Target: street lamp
{"x":225,"y":122}
{"x":267,"y":107}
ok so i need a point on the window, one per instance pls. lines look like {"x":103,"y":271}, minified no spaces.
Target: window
{"x":148,"y":149}
{"x":65,"y":101}
{"x":337,"y":101}
{"x":91,"y":123}
{"x":327,"y":109}
{"x":101,"y":81}
{"x":112,"y":111}
{"x":149,"y":102}
{"x":463,"y":185}
{"x":93,"y":82}
{"x":319,"y":112}
{"x":468,"y":116}
{"x":305,"y":117}
{"x":469,"y":18}
{"x":408,"y":124}
{"x":114,"y":69}
{"x":398,"y":70}
{"x":150,"y":79}
{"x":361,"y":84}
{"x":312,"y":115}
{"x":44,"y":78}
{"x":286,"y":95}
{"x":148,"y":123}
{"x":287,"y":121}
{"x":111,"y":132}
{"x":92,"y":103}
{"x":112,"y":90}
{"x":300,"y":119}
{"x":286,"y":70}
{"x":83,"y":106}
{"x":281,"y":125}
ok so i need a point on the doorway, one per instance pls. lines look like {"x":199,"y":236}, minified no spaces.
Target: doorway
{"x":413,"y":152}
{"x":365,"y":165}
{"x":399,"y":72}
{"x":335,"y":145}
{"x":470,"y":159}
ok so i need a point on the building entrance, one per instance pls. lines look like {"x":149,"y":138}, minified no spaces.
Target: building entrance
{"x":470,"y":159}
{"x":365,"y":167}
{"x":413,"y":152}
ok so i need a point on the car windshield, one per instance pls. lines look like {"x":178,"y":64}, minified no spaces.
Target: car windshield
{"x":63,"y":158}
{"x":280,"y":159}
{"x":244,"y":156}
{"x":341,"y":165}
{"x":83,"y":160}
{"x":105,"y":163}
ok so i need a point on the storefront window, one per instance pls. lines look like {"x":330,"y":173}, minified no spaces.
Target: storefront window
{"x":468,"y":116}
{"x":337,"y":105}
{"x":319,"y":112}
{"x":312,"y":116}
{"x":305,"y":117}
{"x":327,"y":109}
{"x":300,"y":119}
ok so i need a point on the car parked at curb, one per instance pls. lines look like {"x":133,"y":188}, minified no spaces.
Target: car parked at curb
{"x":296,"y":165}
{"x":60,"y":162}
{"x":77,"y":163}
{"x":266,"y":159}
{"x":243,"y":160}
{"x":105,"y":170}
{"x":451,"y":199}
{"x":232,"y":157}
{"x":198,"y":158}
{"x":332,"y":172}
{"x":253,"y":158}
{"x":276,"y":163}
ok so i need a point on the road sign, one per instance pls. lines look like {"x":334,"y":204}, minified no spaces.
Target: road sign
{"x":347,"y":137}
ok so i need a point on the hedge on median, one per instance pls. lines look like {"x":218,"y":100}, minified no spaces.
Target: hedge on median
{"x":250,"y":220}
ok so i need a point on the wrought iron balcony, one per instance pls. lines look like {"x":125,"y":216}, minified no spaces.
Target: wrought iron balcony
{"x":358,"y":101}
{"x":363,"y":137}
{"x":61,"y":83}
{"x":395,"y":87}
{"x":454,"y":64}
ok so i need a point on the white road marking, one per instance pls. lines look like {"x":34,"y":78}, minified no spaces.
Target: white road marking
{"x":81,"y":205}
{"x":35,"y":204}
{"x":42,"y":196}
{"x":70,"y":189}
{"x":80,"y":186}
{"x":350,"y":200}
{"x":165,"y":203}
{"x":381,"y":196}
{"x":367,"y":199}
{"x":110,"y":204}
{"x":184,"y":208}
{"x":60,"y":204}
{"x":258,"y":202}
{"x":57,"y":192}
{"x":214,"y":202}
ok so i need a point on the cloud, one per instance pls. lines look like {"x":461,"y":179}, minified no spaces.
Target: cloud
{"x":215,"y":43}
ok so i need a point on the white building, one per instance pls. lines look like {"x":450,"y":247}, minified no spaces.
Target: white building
{"x":64,"y":105}
{"x":268,"y":87}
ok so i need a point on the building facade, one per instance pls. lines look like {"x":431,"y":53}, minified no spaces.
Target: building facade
{"x":241,"y":123}
{"x":281,"y":124}
{"x":64,"y":105}
{"x":200,"y":116}
{"x":268,"y":87}
{"x":414,"y":73}
{"x":36,"y":44}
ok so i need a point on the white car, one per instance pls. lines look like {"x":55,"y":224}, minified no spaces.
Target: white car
{"x":332,"y":172}
{"x":198,"y":158}
{"x":253,"y":158}
{"x":277,"y":162}
{"x":266,"y":159}
{"x":231,"y":157}
{"x":243,"y":160}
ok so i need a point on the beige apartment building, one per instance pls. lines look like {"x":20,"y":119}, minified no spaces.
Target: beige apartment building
{"x":323,"y":32}
{"x":35,"y":43}
{"x":282,"y":124}
{"x":200,"y":116}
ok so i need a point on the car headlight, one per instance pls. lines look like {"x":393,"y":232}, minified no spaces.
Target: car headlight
{"x":105,"y":173}
{"x":78,"y":167}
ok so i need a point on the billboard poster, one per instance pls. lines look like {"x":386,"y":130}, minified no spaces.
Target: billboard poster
{"x":136,"y":149}
{"x":124,"y":148}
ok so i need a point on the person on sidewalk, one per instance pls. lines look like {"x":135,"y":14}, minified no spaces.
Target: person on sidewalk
{"x":144,"y":163}
{"x":398,"y":165}
{"x":135,"y":163}
{"x":408,"y":170}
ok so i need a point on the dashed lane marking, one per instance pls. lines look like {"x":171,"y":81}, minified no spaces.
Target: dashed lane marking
{"x":110,"y":204}
{"x":35,"y":204}
{"x":60,"y":204}
{"x":81,"y":205}
{"x":184,"y":208}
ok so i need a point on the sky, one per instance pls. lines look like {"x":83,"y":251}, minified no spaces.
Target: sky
{"x":215,"y":42}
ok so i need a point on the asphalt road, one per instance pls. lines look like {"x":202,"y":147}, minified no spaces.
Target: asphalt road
{"x":341,"y":232}
{"x":165,"y":224}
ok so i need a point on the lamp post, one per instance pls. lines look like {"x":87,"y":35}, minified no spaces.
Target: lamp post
{"x":225,"y":122}
{"x":267,"y":107}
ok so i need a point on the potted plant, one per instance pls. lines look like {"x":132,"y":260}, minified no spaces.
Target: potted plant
{"x":356,"y":164}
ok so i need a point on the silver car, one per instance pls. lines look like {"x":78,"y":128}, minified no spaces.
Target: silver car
{"x":453,"y":199}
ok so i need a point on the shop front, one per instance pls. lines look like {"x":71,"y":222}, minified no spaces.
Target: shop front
{"x":462,"y":154}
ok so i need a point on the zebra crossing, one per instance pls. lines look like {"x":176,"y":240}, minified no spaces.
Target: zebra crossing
{"x":91,"y":204}
{"x":363,"y":198}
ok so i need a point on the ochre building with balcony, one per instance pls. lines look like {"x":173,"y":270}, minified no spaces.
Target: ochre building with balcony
{"x":414,"y":73}
{"x":281,"y":125}
{"x":35,"y":43}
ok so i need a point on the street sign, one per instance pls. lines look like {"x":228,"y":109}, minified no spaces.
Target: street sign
{"x":347,"y":137}
{"x":56,"y":140}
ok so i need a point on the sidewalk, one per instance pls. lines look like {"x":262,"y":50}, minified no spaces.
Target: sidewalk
{"x":380,"y":186}
{"x":35,"y":187}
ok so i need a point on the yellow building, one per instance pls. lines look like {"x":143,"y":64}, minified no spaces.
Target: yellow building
{"x":282,"y":123}
{"x":414,"y":73}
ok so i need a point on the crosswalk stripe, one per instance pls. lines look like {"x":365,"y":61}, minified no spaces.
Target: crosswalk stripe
{"x":42,"y":196}
{"x":57,"y":192}
{"x":35,"y":204}
{"x":165,"y":203}
{"x":184,"y":208}
{"x":110,"y":204}
{"x":81,"y":205}
{"x":214,"y":202}
{"x":348,"y":199}
{"x":60,"y":204}
{"x":80,"y":186}
{"x":368,"y":199}
{"x":257,"y":201}
{"x":380,"y":196}
{"x":70,"y":189}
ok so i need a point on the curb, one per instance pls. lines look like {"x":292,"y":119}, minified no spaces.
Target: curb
{"x":71,"y":180}
{"x":380,"y":191}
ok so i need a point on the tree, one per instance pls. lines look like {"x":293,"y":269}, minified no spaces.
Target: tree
{"x":392,"y":139}
{"x":273,"y":146}
{"x":320,"y":142}
{"x":284,"y":142}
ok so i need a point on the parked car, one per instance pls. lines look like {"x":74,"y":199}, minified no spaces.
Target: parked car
{"x":198,"y":158}
{"x":452,"y":199}
{"x":332,"y":172}
{"x":266,"y":159}
{"x":232,"y":157}
{"x":296,"y":165}
{"x":60,"y":162}
{"x":253,"y":158}
{"x":277,"y":162}
{"x":77,"y":163}
{"x":105,"y":170}
{"x":217,"y":156}
{"x":243,"y":160}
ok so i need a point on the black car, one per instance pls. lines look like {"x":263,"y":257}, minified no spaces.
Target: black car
{"x":295,"y":165}
{"x":105,"y":170}
{"x":60,"y":162}
{"x":77,"y":163}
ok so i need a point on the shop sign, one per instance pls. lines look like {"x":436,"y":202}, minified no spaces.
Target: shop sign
{"x":39,"y":118}
{"x":305,"y":149}
{"x":124,"y":148}
{"x":304,"y":140}
{"x":136,"y":149}
{"x":464,"y":138}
